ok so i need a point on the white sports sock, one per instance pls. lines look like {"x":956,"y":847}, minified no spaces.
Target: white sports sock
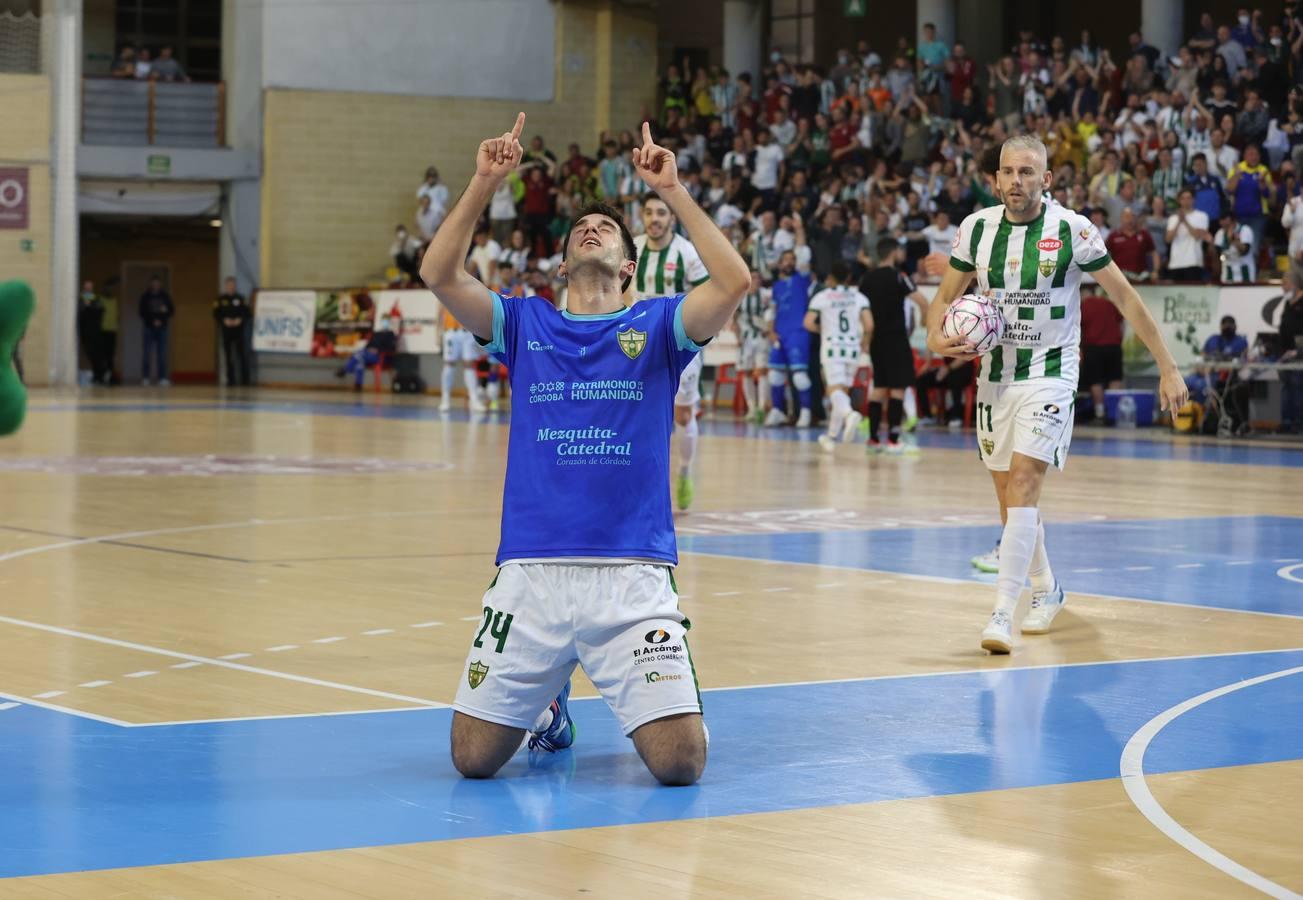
{"x":911,"y":405}
{"x":1099,"y":410}
{"x":687,"y":444}
{"x":841,"y":405}
{"x":472,"y":383}
{"x":749,"y":392}
{"x":445,"y":382}
{"x":1017,"y":546}
{"x":1040,"y":574}
{"x":495,"y":389}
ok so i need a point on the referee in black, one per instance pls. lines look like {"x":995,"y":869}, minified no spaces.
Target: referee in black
{"x":888,"y":288}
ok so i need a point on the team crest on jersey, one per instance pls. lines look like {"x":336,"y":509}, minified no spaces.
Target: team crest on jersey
{"x":988,"y":447}
{"x":632,"y":342}
{"x":1012,"y":265}
{"x":475,"y":674}
{"x":1047,"y":266}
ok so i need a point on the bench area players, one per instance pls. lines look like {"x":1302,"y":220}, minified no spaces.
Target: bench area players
{"x":1028,"y":257}
{"x":840,"y":315}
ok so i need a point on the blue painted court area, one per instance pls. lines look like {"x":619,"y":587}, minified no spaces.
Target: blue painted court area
{"x":1114,"y":444}
{"x":79,"y":794}
{"x":1228,"y":562}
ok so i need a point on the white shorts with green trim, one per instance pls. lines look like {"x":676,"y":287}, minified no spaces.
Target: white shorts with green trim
{"x":690,"y":384}
{"x":621,"y":622}
{"x":753,"y":353}
{"x":1033,"y":418}
{"x":839,"y":370}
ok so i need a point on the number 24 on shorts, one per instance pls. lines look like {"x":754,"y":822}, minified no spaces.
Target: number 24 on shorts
{"x":497,"y":625}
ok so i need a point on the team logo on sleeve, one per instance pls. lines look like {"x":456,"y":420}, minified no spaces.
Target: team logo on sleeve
{"x":475,"y":674}
{"x":632,"y":342}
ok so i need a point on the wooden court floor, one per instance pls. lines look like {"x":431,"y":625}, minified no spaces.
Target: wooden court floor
{"x":231,"y":625}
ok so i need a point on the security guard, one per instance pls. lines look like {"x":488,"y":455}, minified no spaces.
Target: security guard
{"x":232,"y":312}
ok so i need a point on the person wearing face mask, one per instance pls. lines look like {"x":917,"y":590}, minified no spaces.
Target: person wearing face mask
{"x":1232,"y":394}
{"x":406,"y":254}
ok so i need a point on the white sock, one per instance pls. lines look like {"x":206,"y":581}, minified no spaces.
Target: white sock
{"x":1099,"y":410}
{"x":911,"y":405}
{"x":749,"y":392}
{"x":1040,"y":574}
{"x":544,"y":720}
{"x":1017,"y":546}
{"x":472,"y":382}
{"x":841,"y":405}
{"x":445,"y":383}
{"x":687,"y":444}
{"x":495,"y":390}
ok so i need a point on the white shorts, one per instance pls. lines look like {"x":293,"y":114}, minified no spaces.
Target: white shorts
{"x":753,"y":354}
{"x":621,"y":622}
{"x":840,"y":371}
{"x":690,"y":384}
{"x":1033,"y":418}
{"x":459,"y":345}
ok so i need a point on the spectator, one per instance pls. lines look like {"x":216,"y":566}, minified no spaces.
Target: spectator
{"x":769,"y":163}
{"x":1208,"y":196}
{"x":405,"y":251}
{"x":1187,"y":229}
{"x":611,"y":171}
{"x":1101,"y":349}
{"x":90,"y":318}
{"x":144,"y":65}
{"x":1292,"y":220}
{"x":1132,"y":248}
{"x":156,"y":311}
{"x":482,"y":262}
{"x":232,"y":312}
{"x":1231,"y":51}
{"x":434,"y":188}
{"x":1235,"y":243}
{"x":1156,"y":224}
{"x":502,"y":207}
{"x":539,"y":155}
{"x":723,"y":93}
{"x":125,"y":65}
{"x":1226,"y":346}
{"x":428,"y":218}
{"x":1125,"y":201}
{"x":516,"y":253}
{"x":1249,"y":186}
{"x":166,"y":68}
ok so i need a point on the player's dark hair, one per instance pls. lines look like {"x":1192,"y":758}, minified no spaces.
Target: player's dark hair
{"x":604,"y":209}
{"x":886,"y":247}
{"x":990,"y":163}
{"x":839,"y":270}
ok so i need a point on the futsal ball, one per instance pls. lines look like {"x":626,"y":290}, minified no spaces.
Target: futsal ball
{"x":976,"y":318}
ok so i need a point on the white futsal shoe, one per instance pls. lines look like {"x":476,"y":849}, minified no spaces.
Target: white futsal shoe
{"x":997,"y":636}
{"x":803,"y":419}
{"x":1045,"y":606}
{"x":776,"y":418}
{"x":828,"y":443}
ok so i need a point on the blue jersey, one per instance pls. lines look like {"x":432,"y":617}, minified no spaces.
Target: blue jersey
{"x":791,"y":299}
{"x":591,"y":418}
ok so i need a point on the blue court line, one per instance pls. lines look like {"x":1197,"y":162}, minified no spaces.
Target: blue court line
{"x":1113,"y":445}
{"x":79,"y":794}
{"x":1166,"y":560}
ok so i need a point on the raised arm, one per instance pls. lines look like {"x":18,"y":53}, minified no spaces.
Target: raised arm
{"x":444,"y":267}
{"x":1171,"y":386}
{"x":709,"y":306}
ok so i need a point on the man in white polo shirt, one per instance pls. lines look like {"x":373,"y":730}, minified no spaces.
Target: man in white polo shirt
{"x":1187,"y":229}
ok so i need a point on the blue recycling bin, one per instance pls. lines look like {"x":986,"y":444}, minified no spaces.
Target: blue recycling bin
{"x":1144,"y":401}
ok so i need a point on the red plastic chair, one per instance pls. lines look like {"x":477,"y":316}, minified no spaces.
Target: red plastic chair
{"x":379,"y":369}
{"x":727,"y":374}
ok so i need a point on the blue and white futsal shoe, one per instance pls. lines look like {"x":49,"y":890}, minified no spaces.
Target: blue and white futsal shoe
{"x":1045,"y":606}
{"x":561,"y":733}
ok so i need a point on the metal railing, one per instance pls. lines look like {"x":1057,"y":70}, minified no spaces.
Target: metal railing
{"x":134,"y":113}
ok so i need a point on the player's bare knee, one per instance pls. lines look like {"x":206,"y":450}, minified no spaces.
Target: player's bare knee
{"x":480,"y":749}
{"x":673,"y":749}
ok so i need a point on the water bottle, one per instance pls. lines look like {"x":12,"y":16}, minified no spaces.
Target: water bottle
{"x":1127,"y":411}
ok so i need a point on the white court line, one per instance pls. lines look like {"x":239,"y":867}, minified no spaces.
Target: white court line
{"x":471,"y":618}
{"x":49,"y":694}
{"x":941,"y":579}
{"x":1132,"y":770}
{"x":1085,"y":571}
{"x":375,"y":631}
{"x":776,"y":590}
{"x":1138,"y":568}
{"x":144,"y":673}
{"x":277,"y":717}
{"x":1284,"y":560}
{"x":94,"y":684}
{"x":186,"y":665}
{"x":280,"y":648}
{"x":328,"y":640}
{"x":4,"y":706}
{"x":1241,"y":562}
{"x":54,"y":707}
{"x":426,"y":625}
{"x":239,"y":667}
{"x":725,"y":593}
{"x":1288,"y":573}
{"x":835,"y":584}
{"x":1190,"y":566}
{"x":236,"y":656}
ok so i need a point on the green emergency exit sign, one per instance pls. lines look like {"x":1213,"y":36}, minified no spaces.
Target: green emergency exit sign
{"x":854,"y":9}
{"x":159,"y":164}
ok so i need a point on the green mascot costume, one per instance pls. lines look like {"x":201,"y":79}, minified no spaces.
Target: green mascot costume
{"x":16,"y":305}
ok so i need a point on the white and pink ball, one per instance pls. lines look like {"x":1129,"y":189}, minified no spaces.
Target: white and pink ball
{"x":976,"y":318}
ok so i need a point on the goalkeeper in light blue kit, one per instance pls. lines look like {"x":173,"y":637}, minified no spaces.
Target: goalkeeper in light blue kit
{"x":587,"y":542}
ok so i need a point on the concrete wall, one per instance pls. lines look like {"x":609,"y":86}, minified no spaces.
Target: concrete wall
{"x":25,"y":143}
{"x":342,"y":168}
{"x":454,"y":48}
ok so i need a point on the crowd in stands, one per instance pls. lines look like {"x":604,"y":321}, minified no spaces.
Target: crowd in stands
{"x":1187,"y":158}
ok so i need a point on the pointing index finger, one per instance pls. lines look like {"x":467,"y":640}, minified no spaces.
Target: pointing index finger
{"x":519,"y":126}
{"x":646,"y":134}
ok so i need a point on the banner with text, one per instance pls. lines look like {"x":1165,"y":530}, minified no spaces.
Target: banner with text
{"x":282,"y":321}
{"x":343,"y":323}
{"x":1187,"y":315}
{"x":416,"y":314}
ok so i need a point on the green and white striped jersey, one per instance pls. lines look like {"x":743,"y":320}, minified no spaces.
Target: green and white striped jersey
{"x":755,"y":314}
{"x":674,"y":269}
{"x":1033,"y":271}
{"x":840,"y":327}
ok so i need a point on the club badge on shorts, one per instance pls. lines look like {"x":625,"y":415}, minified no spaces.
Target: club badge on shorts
{"x":988,"y":447}
{"x":475,"y":674}
{"x":631,"y":342}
